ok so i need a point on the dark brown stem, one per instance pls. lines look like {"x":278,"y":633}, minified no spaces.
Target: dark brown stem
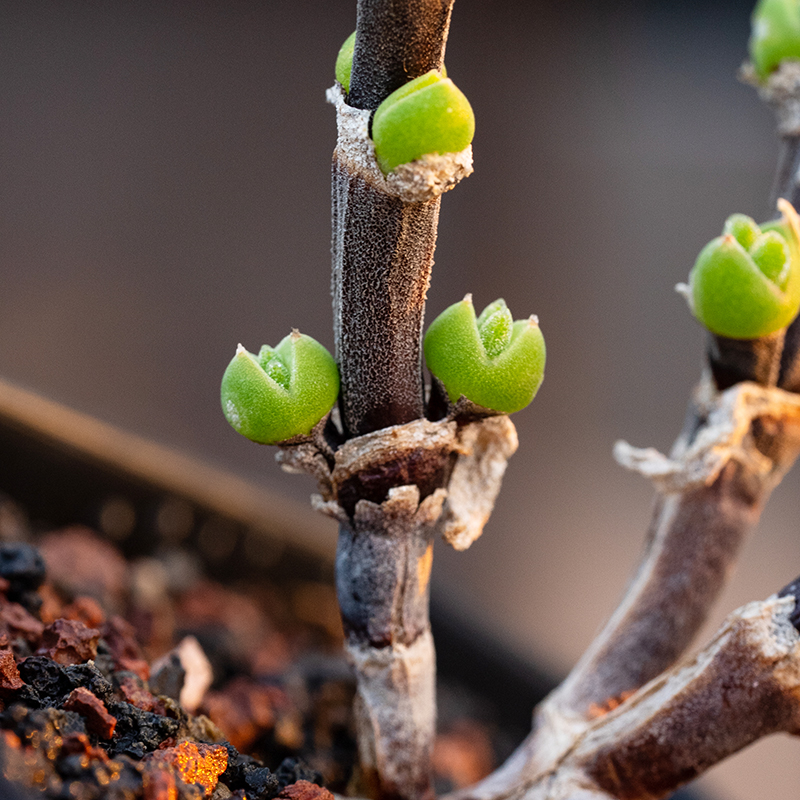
{"x":382,"y":247}
{"x":382,"y":244}
{"x":382,"y":258}
{"x":787,"y":185}
{"x":736,"y":360}
{"x":789,"y":375}
{"x":787,"y":175}
{"x":396,"y":41}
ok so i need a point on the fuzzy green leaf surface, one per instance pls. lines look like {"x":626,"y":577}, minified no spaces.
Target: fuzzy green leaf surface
{"x":344,"y":61}
{"x":490,"y":360}
{"x":281,"y":392}
{"x":745,"y":284}
{"x":427,"y":115}
{"x":775,"y":34}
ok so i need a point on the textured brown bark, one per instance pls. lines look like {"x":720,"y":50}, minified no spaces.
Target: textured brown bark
{"x":692,"y":545}
{"x":742,"y":687}
{"x":382,"y":582}
{"x":735,"y":360}
{"x":396,"y":41}
{"x":382,"y":258}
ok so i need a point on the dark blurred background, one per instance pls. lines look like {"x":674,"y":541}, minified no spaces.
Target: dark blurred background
{"x":164,"y":194}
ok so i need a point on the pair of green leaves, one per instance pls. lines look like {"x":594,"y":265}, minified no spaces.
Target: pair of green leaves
{"x":745,"y":284}
{"x":427,"y":115}
{"x":285,"y":391}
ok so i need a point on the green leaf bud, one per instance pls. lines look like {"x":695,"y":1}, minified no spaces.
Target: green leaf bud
{"x":494,"y":362}
{"x":775,"y":34}
{"x":746,"y":283}
{"x":344,"y":61}
{"x":495,"y":328}
{"x":426,"y":115}
{"x":742,"y":228}
{"x":282,"y":392}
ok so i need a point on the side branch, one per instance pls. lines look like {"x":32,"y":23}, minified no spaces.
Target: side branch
{"x":738,"y":446}
{"x":735,"y":448}
{"x":744,"y":685}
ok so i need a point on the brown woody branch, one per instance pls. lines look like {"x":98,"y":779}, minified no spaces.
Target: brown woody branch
{"x":744,"y":685}
{"x":734,"y":450}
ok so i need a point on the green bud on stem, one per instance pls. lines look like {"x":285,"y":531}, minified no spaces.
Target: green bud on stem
{"x":344,"y":61}
{"x":775,"y":34}
{"x":282,"y":392}
{"x":745,"y":284}
{"x":427,"y":115}
{"x":491,"y":360}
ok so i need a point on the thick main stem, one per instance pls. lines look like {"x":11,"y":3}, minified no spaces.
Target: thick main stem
{"x":383,"y":246}
{"x":383,"y":566}
{"x":396,"y":41}
{"x":382,"y":259}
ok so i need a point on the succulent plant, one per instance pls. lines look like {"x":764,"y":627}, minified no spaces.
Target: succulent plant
{"x":427,"y":115}
{"x":775,"y":34}
{"x":745,"y":284}
{"x":491,"y":360}
{"x":282,"y":392}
